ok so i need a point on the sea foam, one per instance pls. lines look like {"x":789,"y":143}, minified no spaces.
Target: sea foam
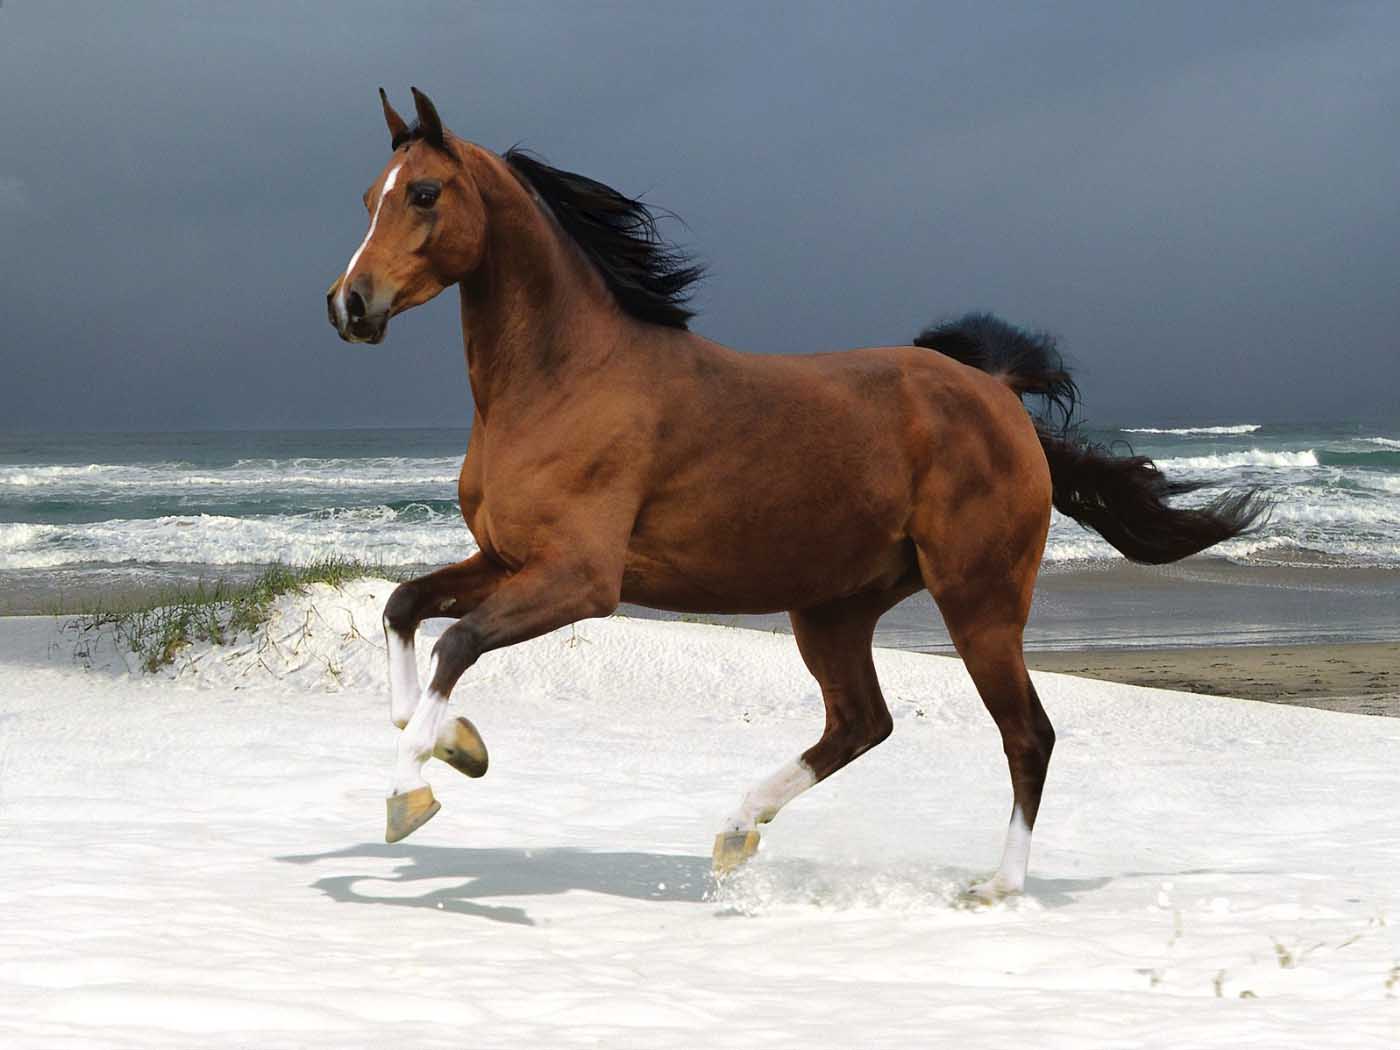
{"x":244,"y":474}
{"x":1234,"y":428}
{"x":408,"y":536}
{"x":1255,"y":457}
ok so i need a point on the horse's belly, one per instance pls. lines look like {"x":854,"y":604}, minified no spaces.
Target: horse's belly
{"x":735,"y":564}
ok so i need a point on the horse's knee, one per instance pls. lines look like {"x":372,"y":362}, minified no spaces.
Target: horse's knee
{"x":401,"y":610}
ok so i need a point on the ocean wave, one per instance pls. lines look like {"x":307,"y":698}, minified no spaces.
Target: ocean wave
{"x":1358,"y":528}
{"x":1384,"y":442}
{"x":1380,"y":459}
{"x":1357,"y":532}
{"x":412,"y":535}
{"x":377,"y":472}
{"x":1383,"y":482}
{"x":1235,"y":428}
{"x":1354,"y":514}
{"x":1255,"y":457}
{"x":1251,"y":550}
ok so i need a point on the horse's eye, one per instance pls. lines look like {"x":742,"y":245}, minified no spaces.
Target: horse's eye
{"x":423,"y":194}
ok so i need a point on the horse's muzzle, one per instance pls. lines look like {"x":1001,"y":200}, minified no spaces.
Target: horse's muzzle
{"x":354,"y":318}
{"x":365,"y":329}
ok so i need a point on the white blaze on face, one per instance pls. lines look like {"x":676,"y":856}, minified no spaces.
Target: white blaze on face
{"x":342,"y":312}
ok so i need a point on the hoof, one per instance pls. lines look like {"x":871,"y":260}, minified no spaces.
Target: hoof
{"x":409,"y":812}
{"x":465,"y":751}
{"x":990,"y":891}
{"x":732,"y":848}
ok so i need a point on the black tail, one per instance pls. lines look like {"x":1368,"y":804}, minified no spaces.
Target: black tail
{"x":1123,"y":498}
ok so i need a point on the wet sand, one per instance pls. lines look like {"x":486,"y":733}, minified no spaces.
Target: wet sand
{"x":1360,"y":678}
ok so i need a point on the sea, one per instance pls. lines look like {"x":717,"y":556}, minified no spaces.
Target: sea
{"x":93,"y":517}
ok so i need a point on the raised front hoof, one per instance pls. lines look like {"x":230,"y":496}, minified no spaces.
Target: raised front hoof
{"x":464,"y":751}
{"x":409,"y":812}
{"x":732,"y":849}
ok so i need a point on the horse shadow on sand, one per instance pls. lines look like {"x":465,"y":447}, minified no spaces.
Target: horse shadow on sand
{"x":487,"y":873}
{"x":465,"y":880}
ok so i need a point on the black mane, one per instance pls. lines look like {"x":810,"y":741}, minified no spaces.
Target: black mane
{"x":651,"y":278}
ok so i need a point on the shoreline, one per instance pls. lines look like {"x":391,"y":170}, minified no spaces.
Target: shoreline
{"x":1296,"y":635}
{"x":1353,"y":677}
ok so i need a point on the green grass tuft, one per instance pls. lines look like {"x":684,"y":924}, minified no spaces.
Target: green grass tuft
{"x":161,"y":625}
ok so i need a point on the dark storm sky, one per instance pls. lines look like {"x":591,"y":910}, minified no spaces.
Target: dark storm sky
{"x":1202,"y":200}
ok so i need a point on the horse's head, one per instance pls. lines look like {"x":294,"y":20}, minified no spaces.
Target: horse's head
{"x":426,"y":228}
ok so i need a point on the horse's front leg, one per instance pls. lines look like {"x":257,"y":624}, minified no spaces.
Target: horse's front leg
{"x":542,"y":596}
{"x":450,"y":592}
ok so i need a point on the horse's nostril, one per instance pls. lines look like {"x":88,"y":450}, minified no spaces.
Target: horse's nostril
{"x":355,"y":306}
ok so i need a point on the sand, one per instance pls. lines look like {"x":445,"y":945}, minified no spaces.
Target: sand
{"x":195,"y":858}
{"x":1362,"y":678}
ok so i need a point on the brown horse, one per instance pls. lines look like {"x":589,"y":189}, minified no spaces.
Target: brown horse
{"x":615,"y":456}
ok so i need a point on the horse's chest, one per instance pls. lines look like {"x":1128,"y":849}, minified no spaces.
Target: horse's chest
{"x":500,"y":530}
{"x":471,"y":498}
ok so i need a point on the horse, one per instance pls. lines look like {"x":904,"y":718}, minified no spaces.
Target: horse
{"x":616,"y":456}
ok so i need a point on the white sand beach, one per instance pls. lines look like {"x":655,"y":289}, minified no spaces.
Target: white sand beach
{"x":195,"y":858}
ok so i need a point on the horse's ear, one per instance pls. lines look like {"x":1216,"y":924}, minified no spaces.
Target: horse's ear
{"x":398,"y":130}
{"x":428,"y":120}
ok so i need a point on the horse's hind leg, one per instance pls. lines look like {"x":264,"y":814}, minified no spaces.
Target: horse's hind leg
{"x":835,"y":641}
{"x":985,"y":619}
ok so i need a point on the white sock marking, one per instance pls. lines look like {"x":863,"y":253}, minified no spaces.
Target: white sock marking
{"x":1017,"y":855}
{"x":419,"y":737}
{"x":342,"y":312}
{"x":762,"y":803}
{"x":1015,"y":858}
{"x":403,"y":677}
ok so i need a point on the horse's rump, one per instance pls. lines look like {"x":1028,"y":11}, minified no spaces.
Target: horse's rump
{"x":1121,"y":497}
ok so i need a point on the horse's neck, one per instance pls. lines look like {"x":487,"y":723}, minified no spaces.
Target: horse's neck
{"x":536,"y":313}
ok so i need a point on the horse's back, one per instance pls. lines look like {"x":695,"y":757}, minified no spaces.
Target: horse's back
{"x":782,"y":481}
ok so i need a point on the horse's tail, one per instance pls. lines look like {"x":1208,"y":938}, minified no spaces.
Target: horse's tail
{"x":1123,"y":498}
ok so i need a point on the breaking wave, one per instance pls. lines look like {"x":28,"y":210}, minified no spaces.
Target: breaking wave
{"x":217,"y":502}
{"x":1382,"y":459}
{"x":1236,"y":428}
{"x":412,"y":533}
{"x":1255,"y":457}
{"x":175,"y":476}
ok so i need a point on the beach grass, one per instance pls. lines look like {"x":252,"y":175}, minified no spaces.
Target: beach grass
{"x":163,"y":623}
